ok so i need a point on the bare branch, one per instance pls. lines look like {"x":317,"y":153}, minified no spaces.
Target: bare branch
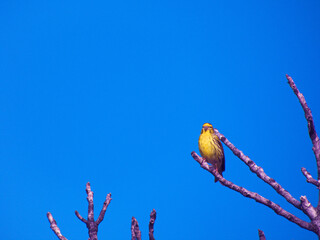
{"x":308,"y":208}
{"x":80,"y":217}
{"x":90,"y":202}
{"x":310,"y":179}
{"x":135,"y":231}
{"x":153,"y":216}
{"x":261,"y":235}
{"x":259,"y":171}
{"x":104,"y":208}
{"x":54,"y":227}
{"x":246,"y":193}
{"x":311,"y":128}
{"x":91,"y":224}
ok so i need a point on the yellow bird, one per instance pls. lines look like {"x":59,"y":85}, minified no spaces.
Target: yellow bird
{"x":211,"y":148}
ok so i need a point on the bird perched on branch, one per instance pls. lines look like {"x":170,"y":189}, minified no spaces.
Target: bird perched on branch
{"x":211,"y":148}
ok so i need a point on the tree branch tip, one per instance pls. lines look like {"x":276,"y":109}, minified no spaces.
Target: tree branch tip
{"x":49,"y":216}
{"x":108,"y":199}
{"x":153,"y":214}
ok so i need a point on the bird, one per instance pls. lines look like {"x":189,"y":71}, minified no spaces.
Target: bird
{"x":211,"y":148}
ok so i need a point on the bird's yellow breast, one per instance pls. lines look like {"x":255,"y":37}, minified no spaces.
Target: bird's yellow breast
{"x":208,"y":146}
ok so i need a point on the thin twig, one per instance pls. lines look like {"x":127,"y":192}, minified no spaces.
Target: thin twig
{"x":80,"y":217}
{"x":153,"y":216}
{"x":310,"y":179}
{"x":246,"y":193}
{"x":261,"y":235}
{"x":104,"y":208}
{"x":135,"y":231}
{"x":54,"y":227}
{"x":311,"y":128}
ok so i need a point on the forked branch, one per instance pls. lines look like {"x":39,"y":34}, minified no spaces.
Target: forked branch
{"x":92,"y":225}
{"x":259,"y":171}
{"x":311,"y":128}
{"x":246,"y":193}
{"x":310,"y":179}
{"x":304,"y":205}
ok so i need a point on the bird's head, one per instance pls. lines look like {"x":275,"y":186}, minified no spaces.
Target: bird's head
{"x":207,"y":127}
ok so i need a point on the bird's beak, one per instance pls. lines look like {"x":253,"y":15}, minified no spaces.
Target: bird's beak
{"x":205,"y":128}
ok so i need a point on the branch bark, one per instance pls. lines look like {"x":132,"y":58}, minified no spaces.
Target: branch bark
{"x":153,"y":216}
{"x":91,"y":224}
{"x":259,"y":171}
{"x":54,"y":227}
{"x":246,"y":193}
{"x":261,"y":235}
{"x":135,"y":231}
{"x":311,"y":128}
{"x":310,"y":179}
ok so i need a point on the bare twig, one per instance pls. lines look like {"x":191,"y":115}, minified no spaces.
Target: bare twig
{"x":153,"y":216}
{"x":310,"y":179}
{"x":246,"y":193}
{"x":311,"y":128}
{"x":80,"y":217}
{"x":54,"y":227}
{"x":261,"y":235}
{"x":259,"y":171}
{"x":135,"y":231}
{"x":91,"y":224}
{"x":104,"y":208}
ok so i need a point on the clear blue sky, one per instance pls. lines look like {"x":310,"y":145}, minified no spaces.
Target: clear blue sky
{"x":116,"y":92}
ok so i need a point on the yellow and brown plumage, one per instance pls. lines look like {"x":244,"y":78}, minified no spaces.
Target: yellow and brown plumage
{"x":211,"y":148}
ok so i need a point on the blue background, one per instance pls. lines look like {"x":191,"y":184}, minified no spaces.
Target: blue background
{"x":116,"y":92}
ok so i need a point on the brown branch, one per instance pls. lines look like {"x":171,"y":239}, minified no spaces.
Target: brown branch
{"x":308,"y":208}
{"x":261,"y":235}
{"x":311,"y":128}
{"x":80,"y":217}
{"x":135,"y":231}
{"x":54,"y":227}
{"x":153,"y":216}
{"x":310,"y":179}
{"x":258,"y":198}
{"x":104,"y":208}
{"x":91,"y":224}
{"x":90,"y":202}
{"x":259,"y":171}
